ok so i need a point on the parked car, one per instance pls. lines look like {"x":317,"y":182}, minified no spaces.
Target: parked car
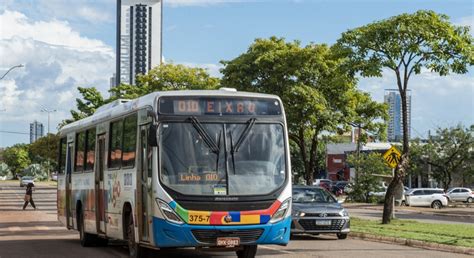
{"x":460,"y":194}
{"x":338,"y":187}
{"x":54,"y":176}
{"x":25,"y":180}
{"x":318,"y":182}
{"x":429,"y":197}
{"x":317,"y":211}
{"x":3,"y":178}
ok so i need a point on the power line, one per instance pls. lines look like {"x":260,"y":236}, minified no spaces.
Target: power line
{"x":1,"y":131}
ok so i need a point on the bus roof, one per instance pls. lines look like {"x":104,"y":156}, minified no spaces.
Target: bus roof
{"x":121,"y":106}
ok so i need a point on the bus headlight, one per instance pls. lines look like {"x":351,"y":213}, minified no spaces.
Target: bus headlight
{"x":168,"y":212}
{"x":281,"y":212}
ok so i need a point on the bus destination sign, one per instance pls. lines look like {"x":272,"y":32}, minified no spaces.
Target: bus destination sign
{"x":218,"y":106}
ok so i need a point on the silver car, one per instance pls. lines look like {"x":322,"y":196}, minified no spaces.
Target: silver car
{"x":317,"y":211}
{"x":25,"y":180}
{"x":460,"y":194}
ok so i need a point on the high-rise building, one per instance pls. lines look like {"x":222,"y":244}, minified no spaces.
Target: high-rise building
{"x":139,"y":25}
{"x":36,"y":131}
{"x":395,"y":123}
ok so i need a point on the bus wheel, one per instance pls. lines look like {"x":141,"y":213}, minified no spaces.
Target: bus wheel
{"x":86,"y":238}
{"x":248,"y":251}
{"x":134,"y":249}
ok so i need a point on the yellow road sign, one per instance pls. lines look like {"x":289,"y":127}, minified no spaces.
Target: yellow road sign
{"x":392,"y":157}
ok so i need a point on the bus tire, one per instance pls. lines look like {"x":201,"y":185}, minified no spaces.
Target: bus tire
{"x":248,"y":251}
{"x":86,"y":238}
{"x":134,"y":249}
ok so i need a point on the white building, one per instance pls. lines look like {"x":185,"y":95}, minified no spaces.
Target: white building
{"x":139,"y":36}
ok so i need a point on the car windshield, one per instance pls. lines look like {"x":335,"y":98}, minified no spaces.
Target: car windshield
{"x":222,"y":159}
{"x":27,"y":178}
{"x":312,"y":195}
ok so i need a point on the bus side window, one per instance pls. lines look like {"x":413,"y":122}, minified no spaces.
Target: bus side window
{"x":90,"y":149}
{"x":129,"y":140}
{"x":80,"y":151}
{"x":115,"y":144}
{"x":62,"y":156}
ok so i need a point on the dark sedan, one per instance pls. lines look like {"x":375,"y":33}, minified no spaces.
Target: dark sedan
{"x":316,"y":211}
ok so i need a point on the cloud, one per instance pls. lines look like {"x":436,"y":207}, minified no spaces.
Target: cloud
{"x":212,"y":69}
{"x":94,"y":15}
{"x":57,"y":59}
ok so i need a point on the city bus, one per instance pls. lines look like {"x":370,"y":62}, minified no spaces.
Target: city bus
{"x":206,"y":169}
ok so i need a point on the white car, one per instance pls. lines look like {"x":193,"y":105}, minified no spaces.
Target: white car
{"x":460,"y":194}
{"x":25,"y":180}
{"x":428,"y":197}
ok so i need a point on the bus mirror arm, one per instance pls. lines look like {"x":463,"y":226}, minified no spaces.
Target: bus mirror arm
{"x":152,"y":141}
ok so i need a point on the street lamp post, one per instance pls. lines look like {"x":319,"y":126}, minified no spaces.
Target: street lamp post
{"x":49,"y":111}
{"x":13,"y":67}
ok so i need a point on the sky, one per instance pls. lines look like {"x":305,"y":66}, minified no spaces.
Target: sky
{"x":64,"y":44}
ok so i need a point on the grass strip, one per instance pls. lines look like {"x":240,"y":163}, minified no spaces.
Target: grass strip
{"x":448,"y":234}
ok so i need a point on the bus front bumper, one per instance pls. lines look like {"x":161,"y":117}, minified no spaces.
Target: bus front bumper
{"x":167,"y":234}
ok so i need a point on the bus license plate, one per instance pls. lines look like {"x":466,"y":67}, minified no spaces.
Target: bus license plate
{"x":228,"y":241}
{"x":323,"y":222}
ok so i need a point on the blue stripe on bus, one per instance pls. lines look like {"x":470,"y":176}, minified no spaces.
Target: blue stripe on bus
{"x":235,"y":216}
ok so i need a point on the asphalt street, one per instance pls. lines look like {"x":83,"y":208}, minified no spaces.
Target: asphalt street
{"x":37,"y":233}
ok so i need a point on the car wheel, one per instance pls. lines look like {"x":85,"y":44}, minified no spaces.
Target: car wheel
{"x":404,"y":203}
{"x":469,"y":200}
{"x":341,"y":235}
{"x":436,"y":205}
{"x":248,"y":251}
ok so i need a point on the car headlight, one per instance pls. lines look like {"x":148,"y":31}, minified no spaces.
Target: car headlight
{"x":344,"y":213}
{"x":168,"y":212}
{"x":281,"y":212}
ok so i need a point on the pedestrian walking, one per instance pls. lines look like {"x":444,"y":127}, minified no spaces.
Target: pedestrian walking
{"x":29,"y":196}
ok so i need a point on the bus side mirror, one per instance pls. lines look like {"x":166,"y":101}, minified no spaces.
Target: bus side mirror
{"x":152,"y":141}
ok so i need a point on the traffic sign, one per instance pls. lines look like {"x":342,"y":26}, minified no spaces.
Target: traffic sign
{"x":392,"y":157}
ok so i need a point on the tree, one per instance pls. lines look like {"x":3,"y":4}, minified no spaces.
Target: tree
{"x":16,"y":157}
{"x":371,"y":167}
{"x":314,"y":88}
{"x":5,"y":170}
{"x":161,"y":78}
{"x":451,"y":153}
{"x":45,"y":148}
{"x":405,"y":44}
{"x":167,"y":77}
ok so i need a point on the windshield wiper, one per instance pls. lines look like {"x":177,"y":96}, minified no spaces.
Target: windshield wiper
{"x":205,"y":136}
{"x":243,"y":136}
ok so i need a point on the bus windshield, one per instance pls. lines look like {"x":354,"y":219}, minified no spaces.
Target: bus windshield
{"x":222,"y":158}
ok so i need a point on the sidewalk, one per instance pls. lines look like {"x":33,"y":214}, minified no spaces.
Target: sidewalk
{"x":454,"y":211}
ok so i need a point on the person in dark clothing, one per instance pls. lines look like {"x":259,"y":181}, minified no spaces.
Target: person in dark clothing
{"x":29,"y":196}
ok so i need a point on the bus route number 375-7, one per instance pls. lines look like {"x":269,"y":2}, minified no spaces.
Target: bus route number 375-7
{"x":199,"y":218}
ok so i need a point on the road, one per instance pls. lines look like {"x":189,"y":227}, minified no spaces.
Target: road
{"x":36,"y":233}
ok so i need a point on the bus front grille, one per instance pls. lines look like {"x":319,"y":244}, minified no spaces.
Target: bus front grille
{"x":247,"y":236}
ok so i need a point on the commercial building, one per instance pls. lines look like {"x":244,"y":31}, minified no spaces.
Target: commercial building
{"x":395,"y":122}
{"x":139,"y":30}
{"x":36,"y":131}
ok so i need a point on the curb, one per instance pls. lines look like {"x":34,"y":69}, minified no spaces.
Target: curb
{"x":415,"y":211}
{"x":414,"y":243}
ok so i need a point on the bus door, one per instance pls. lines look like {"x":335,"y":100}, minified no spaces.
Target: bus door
{"x":144,"y":178}
{"x":99,"y":185}
{"x":69,"y":218}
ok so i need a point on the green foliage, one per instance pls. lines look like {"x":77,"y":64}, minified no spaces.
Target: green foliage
{"x":161,"y":78}
{"x":167,"y":77}
{"x":37,"y":171}
{"x":451,"y":152}
{"x":5,"y":170}
{"x":45,"y":148}
{"x":312,"y":83}
{"x":370,"y":167}
{"x":16,"y":157}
